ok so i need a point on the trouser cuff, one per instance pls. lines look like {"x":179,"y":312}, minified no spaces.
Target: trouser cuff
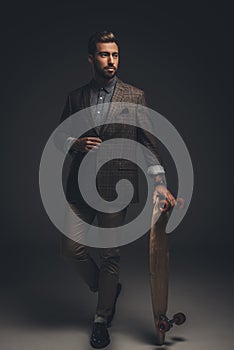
{"x":99,"y":319}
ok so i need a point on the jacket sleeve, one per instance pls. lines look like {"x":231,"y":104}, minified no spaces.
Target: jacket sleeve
{"x":153,"y":161}
{"x":62,"y":138}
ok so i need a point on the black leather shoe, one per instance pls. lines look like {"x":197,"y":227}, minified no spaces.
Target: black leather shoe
{"x":110,"y":318}
{"x":100,"y":336}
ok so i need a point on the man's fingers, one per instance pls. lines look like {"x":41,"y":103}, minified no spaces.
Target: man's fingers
{"x":91,"y":147}
{"x":94,"y":139}
{"x":155,"y":194}
{"x":93,"y":143}
{"x":172,"y":200}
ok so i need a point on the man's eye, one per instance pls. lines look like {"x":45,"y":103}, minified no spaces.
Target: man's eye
{"x":103,"y":54}
{"x":115,"y":55}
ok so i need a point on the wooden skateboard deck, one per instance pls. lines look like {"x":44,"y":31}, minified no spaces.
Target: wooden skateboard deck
{"x":159,"y":268}
{"x":159,"y":271}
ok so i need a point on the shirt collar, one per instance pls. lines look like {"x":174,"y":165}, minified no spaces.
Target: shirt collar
{"x":108,"y":87}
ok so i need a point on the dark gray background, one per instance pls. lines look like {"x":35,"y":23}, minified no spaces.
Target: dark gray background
{"x":182,"y":58}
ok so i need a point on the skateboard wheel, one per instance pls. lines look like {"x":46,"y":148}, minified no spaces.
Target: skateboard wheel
{"x":164,"y":326}
{"x":179,"y":318}
{"x":163,"y":205}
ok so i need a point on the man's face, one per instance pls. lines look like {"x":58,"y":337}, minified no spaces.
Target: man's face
{"x":105,"y":60}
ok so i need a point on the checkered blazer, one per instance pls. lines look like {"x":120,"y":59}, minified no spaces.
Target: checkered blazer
{"x":121,"y":168}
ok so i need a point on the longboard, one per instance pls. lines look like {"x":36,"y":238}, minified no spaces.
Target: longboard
{"x":159,"y":271}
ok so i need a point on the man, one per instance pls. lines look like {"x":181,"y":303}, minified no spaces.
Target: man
{"x":104,"y":87}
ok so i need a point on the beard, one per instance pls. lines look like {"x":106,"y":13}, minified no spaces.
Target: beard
{"x":104,"y":73}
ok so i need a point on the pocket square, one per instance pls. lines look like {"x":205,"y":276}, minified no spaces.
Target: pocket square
{"x":125,"y":111}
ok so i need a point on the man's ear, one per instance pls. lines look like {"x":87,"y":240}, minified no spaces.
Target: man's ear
{"x":90,"y":58}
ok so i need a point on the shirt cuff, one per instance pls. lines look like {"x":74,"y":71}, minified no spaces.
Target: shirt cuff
{"x":155,"y":170}
{"x":68,"y":143}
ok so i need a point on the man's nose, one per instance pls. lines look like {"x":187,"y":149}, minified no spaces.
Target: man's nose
{"x":110,"y":59}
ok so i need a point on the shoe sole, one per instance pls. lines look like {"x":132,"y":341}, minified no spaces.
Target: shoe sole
{"x":96,"y":346}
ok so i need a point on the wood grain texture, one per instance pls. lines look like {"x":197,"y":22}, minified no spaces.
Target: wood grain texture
{"x":159,"y":268}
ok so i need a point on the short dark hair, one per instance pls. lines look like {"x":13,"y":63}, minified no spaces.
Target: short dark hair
{"x":100,"y":37}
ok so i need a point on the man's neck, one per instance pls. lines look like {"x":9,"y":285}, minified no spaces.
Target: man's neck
{"x":102,"y":81}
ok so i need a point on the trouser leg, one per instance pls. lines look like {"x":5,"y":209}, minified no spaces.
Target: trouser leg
{"x":109,"y":266}
{"x":77,"y":252}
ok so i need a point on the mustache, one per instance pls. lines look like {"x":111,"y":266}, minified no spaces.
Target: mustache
{"x":110,"y":66}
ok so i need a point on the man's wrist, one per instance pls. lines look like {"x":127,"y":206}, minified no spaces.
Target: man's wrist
{"x":160,"y":180}
{"x":160,"y":183}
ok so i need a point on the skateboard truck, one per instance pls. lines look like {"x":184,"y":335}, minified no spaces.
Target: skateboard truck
{"x":165,"y":324}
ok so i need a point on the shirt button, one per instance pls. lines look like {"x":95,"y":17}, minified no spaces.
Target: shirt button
{"x":98,"y":112}
{"x":100,"y":97}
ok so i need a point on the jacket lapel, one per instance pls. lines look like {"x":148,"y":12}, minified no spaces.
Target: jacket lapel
{"x":85,"y":99}
{"x":118,"y":91}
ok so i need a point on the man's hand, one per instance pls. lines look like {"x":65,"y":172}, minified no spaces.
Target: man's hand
{"x":163,"y":192}
{"x":86,"y":144}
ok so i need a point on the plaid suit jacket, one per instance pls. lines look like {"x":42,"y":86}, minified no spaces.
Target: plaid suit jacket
{"x":110,"y":173}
